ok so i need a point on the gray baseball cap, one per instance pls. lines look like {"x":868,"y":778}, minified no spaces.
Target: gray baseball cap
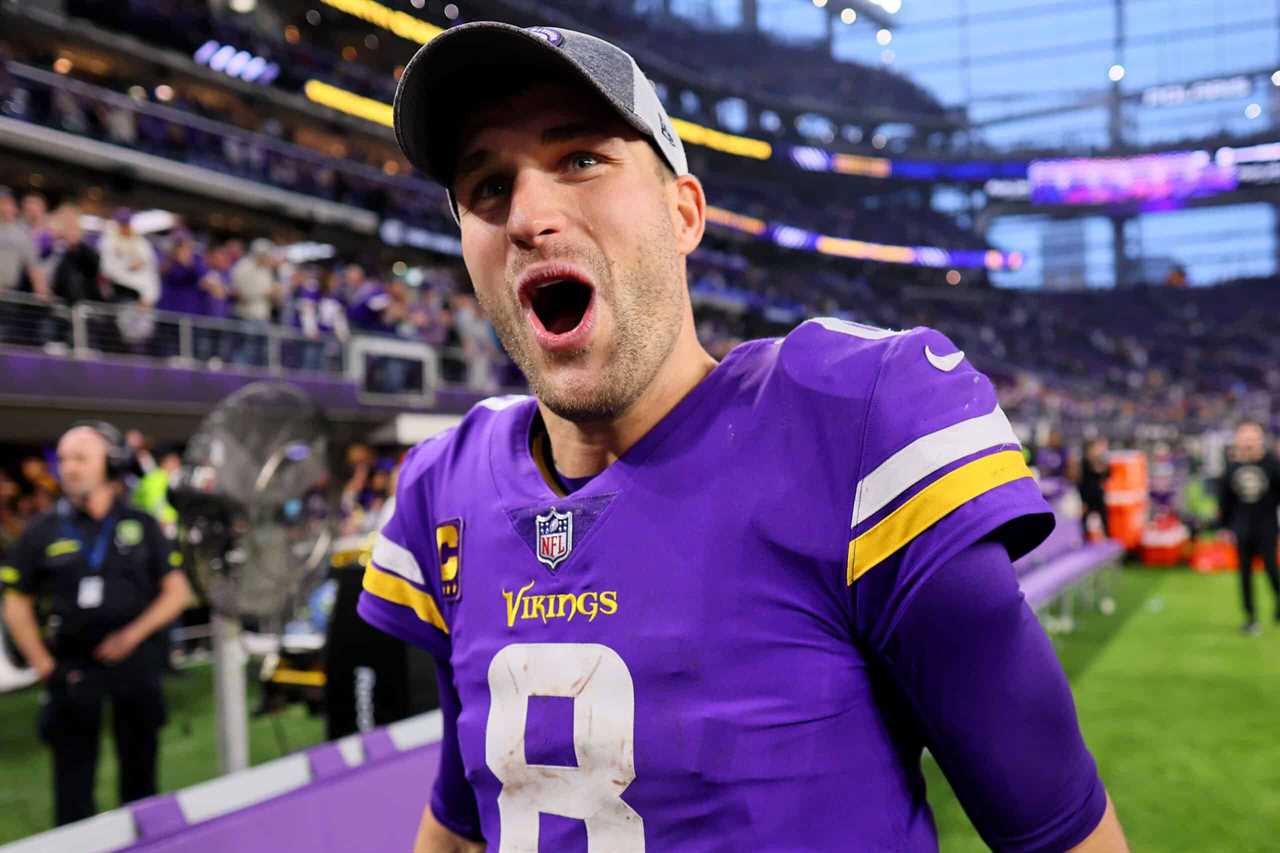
{"x":433,"y":93}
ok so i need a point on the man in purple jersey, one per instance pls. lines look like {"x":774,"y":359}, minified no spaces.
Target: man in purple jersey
{"x":682,"y":605}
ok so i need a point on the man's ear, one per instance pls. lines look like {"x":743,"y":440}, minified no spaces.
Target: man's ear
{"x":689,"y":214}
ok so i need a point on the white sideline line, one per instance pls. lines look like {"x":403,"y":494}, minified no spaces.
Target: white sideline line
{"x":417,"y":731}
{"x":109,"y":831}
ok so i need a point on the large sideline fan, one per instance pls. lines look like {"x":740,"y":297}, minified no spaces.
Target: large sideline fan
{"x":252,"y":496}
{"x":255,"y":522}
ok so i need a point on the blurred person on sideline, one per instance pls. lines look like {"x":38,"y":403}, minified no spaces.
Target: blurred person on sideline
{"x":113,"y":583}
{"x":1094,"y":470}
{"x":1248,"y":497}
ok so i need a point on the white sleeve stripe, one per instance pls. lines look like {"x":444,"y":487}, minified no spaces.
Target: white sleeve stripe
{"x":856,"y":330}
{"x":926,"y":455}
{"x":396,"y":558}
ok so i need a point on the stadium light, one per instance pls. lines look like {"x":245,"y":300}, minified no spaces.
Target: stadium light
{"x":451,"y":11}
{"x":883,"y":37}
{"x":402,"y":24}
{"x":1275,"y":78}
{"x":349,"y":103}
{"x":1116,"y":73}
{"x":164,"y":93}
{"x":1252,"y":111}
{"x":821,"y":4}
{"x":62,"y":65}
{"x":243,"y":7}
{"x":953,"y":277}
{"x":848,"y":16}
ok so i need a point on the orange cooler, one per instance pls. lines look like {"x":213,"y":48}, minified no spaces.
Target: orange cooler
{"x":1127,"y":496}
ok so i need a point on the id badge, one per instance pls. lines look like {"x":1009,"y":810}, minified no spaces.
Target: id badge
{"x":90,"y":595}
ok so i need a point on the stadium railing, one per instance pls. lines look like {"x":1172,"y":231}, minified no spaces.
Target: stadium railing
{"x":381,"y":367}
{"x":363,"y":792}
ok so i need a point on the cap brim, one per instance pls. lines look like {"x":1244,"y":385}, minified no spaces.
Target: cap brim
{"x":431,"y":98}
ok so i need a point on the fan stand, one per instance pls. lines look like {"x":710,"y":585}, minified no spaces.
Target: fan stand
{"x":230,"y":684}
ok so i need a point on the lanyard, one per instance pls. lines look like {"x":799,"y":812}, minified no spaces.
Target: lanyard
{"x":98,"y":553}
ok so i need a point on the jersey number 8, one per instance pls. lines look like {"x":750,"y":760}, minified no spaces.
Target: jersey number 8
{"x":604,"y":710}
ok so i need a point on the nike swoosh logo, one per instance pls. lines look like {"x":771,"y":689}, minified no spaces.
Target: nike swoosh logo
{"x":945,"y":363}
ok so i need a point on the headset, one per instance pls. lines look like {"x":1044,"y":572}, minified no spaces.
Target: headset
{"x":119,"y":457}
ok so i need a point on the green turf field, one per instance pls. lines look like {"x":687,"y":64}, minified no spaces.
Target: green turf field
{"x":1181,"y":711}
{"x":188,"y":752}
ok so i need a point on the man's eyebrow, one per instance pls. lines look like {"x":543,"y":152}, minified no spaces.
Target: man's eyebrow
{"x":572,"y":130}
{"x":471,"y":163}
{"x":580,"y":129}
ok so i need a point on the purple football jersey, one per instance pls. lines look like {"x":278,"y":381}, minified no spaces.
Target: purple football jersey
{"x":679,"y":656}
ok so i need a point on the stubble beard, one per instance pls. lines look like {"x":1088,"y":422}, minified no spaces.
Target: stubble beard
{"x":646,"y":308}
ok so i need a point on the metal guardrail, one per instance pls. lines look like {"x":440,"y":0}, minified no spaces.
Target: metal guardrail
{"x":385,"y":369}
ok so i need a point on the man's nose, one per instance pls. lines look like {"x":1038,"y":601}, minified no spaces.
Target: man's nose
{"x":536,"y":209}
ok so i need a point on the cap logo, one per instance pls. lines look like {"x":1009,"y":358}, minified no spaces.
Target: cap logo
{"x":553,"y":37}
{"x":666,"y":131}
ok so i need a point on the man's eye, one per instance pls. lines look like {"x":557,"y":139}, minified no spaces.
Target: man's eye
{"x":490,"y":188}
{"x":583,"y":160}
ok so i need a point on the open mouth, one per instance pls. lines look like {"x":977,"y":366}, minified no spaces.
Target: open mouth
{"x":560,"y":305}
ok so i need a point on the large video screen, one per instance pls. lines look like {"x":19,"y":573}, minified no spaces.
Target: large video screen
{"x":1167,"y":177}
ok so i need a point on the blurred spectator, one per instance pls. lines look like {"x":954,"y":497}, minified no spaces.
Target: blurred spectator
{"x":182,"y":272}
{"x":256,"y":293}
{"x":75,"y":262}
{"x":478,"y":344}
{"x":129,"y":262}
{"x":35,"y":212}
{"x":253,"y":282}
{"x":18,"y":255}
{"x":322,"y":316}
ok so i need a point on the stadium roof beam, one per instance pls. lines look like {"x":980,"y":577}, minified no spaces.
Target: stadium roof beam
{"x":1100,"y":97}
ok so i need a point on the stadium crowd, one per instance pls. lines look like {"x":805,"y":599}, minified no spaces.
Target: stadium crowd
{"x":50,"y":256}
{"x":1200,"y":357}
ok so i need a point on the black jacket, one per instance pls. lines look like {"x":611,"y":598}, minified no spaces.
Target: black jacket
{"x":1249,"y":494}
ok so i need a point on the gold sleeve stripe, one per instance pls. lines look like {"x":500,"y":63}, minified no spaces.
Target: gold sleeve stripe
{"x":923,"y":509}
{"x":397,"y":590}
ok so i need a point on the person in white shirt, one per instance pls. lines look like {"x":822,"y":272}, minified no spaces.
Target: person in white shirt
{"x":257,"y":292}
{"x":129,"y":262}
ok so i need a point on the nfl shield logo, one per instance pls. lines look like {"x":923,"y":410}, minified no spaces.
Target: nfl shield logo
{"x":555,"y":537}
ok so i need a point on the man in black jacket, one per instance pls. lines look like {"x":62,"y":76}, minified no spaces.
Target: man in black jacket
{"x":1248,"y":497}
{"x":108,"y":582}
